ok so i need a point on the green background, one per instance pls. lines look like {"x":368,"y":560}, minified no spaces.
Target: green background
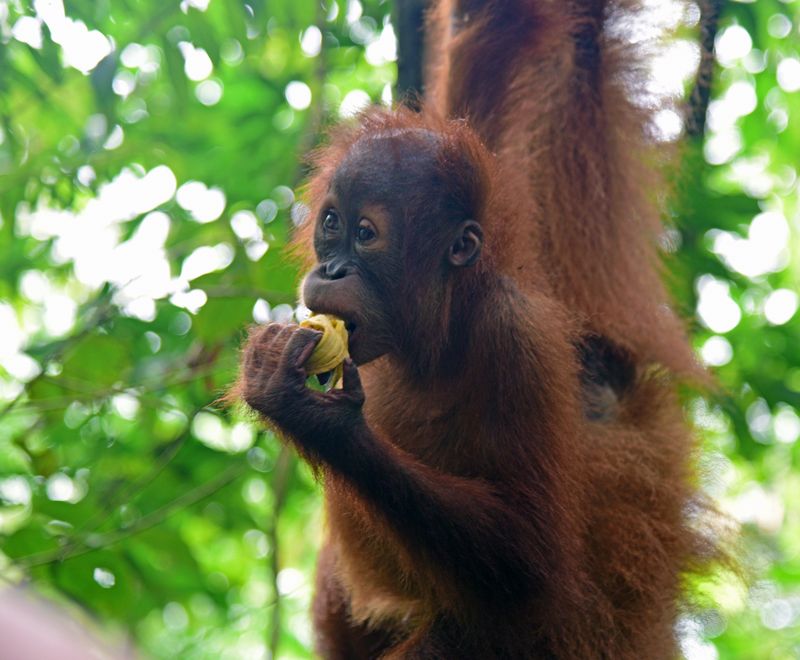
{"x":126,"y":493}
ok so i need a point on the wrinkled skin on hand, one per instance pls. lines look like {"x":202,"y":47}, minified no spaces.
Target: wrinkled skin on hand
{"x":274,"y":384}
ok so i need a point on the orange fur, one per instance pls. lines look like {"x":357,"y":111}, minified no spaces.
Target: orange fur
{"x":548,"y":85}
{"x":615,"y":492}
{"x":586,"y":522}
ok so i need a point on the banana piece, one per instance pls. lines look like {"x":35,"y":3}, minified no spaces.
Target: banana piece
{"x":331,"y":351}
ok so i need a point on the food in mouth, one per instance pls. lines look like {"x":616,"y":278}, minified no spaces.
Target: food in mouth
{"x":331,"y":351}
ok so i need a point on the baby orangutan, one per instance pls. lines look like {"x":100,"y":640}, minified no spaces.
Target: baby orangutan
{"x":473,"y":510}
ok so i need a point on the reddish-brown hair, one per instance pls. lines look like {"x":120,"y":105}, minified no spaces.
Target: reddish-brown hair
{"x":551,"y":87}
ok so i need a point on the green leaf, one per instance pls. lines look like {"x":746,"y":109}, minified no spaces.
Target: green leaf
{"x":221,"y":318}
{"x":96,"y":361}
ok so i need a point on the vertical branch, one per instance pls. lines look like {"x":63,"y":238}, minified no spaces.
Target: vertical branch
{"x":409,"y":22}
{"x":697,"y":106}
{"x":280,"y":487}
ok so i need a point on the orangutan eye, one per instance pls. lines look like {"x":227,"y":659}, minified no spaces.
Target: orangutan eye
{"x":331,"y":221}
{"x":365,"y":233}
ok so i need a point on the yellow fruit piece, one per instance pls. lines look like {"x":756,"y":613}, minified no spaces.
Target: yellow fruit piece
{"x":331,"y":350}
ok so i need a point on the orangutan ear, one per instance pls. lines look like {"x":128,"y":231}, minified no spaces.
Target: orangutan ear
{"x":465,"y":250}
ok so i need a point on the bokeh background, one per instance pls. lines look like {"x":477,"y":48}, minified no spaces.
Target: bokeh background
{"x":149,"y":167}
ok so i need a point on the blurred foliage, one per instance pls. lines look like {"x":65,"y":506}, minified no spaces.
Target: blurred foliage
{"x":149,"y":156}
